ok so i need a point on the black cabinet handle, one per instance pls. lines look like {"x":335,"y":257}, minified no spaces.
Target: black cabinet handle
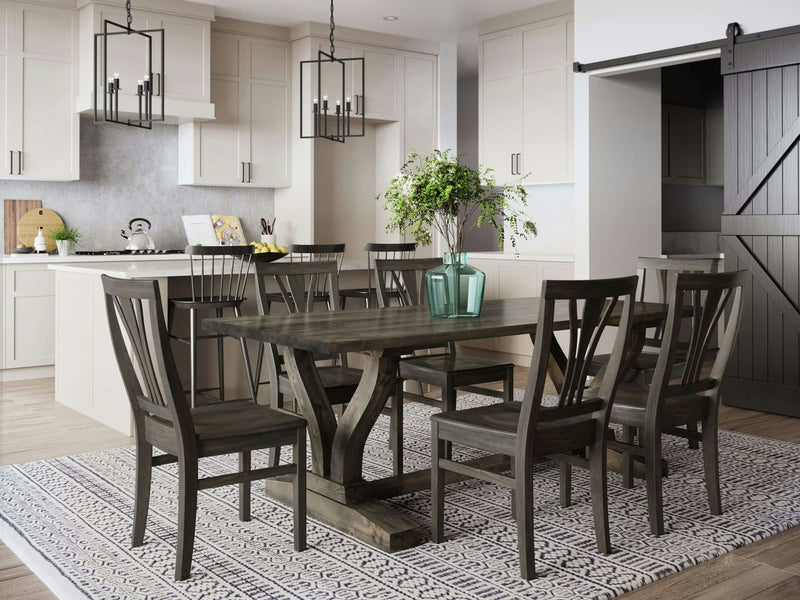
{"x":19,"y":162}
{"x":249,"y":172}
{"x":519,"y":156}
{"x":242,"y":180}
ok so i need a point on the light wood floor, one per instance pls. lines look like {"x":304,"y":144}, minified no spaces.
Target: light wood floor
{"x":34,"y":427}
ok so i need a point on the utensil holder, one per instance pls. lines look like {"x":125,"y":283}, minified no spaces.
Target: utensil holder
{"x":268,"y":238}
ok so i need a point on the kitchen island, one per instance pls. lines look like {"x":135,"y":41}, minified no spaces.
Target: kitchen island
{"x":86,"y":373}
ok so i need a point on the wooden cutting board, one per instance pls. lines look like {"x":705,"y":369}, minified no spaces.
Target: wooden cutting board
{"x":12,"y":213}
{"x":29,"y":224}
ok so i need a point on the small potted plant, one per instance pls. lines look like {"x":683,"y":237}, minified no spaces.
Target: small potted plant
{"x":65,"y":238}
{"x":437,"y":192}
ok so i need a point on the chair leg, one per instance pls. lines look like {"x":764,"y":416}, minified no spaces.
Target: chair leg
{"x":513,"y":493}
{"x":396,"y":429}
{"x":193,"y":356}
{"x":523,"y":481}
{"x":508,"y":385}
{"x":221,"y":361}
{"x":244,"y":487}
{"x":246,"y":356}
{"x":437,"y":486}
{"x":141,"y":502}
{"x":187,"y":516}
{"x":628,"y":434}
{"x":655,"y":508}
{"x":565,"y":484}
{"x":299,"y":452}
{"x":449,"y":400}
{"x":598,"y":476}
{"x":711,"y":462}
{"x":691,"y":427}
{"x":276,"y":401}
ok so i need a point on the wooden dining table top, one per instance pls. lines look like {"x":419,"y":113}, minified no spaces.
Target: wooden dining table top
{"x":401,"y":327}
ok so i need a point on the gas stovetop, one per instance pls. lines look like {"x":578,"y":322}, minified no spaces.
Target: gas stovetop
{"x":125,"y":252}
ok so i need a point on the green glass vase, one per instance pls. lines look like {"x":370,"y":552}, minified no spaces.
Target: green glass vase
{"x":455,"y":289}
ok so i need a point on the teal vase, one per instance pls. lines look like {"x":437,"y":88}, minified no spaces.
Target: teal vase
{"x":455,"y":289}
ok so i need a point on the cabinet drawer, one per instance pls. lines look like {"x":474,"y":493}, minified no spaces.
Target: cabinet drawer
{"x":33,"y":283}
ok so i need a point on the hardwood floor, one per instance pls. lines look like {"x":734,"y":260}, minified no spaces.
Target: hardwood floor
{"x":34,"y":427}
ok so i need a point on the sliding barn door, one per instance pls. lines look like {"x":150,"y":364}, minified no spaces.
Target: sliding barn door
{"x":761,"y":220}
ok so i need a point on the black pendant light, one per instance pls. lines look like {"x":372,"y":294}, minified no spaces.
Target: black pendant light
{"x":110,"y":86}
{"x":338,"y":121}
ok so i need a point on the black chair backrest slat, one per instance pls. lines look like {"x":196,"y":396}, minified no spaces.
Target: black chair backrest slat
{"x":405,"y":278}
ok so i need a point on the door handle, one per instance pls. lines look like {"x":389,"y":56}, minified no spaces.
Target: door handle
{"x":249,"y":172}
{"x":242,"y":180}
{"x":19,"y":162}
{"x":519,"y":156}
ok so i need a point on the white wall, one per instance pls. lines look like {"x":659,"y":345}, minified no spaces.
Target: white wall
{"x":617,"y":172}
{"x":616,"y":28}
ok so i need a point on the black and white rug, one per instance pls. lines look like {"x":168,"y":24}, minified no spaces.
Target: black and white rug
{"x":70,"y":520}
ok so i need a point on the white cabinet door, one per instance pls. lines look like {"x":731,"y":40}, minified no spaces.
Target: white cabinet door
{"x":419,"y":101}
{"x":501,"y":127}
{"x":269,"y":129}
{"x":126,"y":54}
{"x":544,"y":147}
{"x":186,"y":57}
{"x":40,"y":126}
{"x":382,"y":74}
{"x":28,"y":320}
{"x":501,"y":55}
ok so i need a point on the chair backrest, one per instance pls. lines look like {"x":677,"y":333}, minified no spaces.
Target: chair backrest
{"x":305,"y":253}
{"x":709,"y":294}
{"x":297,"y":282}
{"x":405,"y":277}
{"x":144,"y":354}
{"x":386,"y":251}
{"x":222,"y":272}
{"x":651,"y":269}
{"x":588,"y":306}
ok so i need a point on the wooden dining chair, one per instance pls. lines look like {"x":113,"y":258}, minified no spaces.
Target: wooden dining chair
{"x":648,"y":412}
{"x":527,"y":431}
{"x":309,"y":253}
{"x":218,"y":278}
{"x":163,"y":419}
{"x":296,"y":282}
{"x":404,"y":280}
{"x":377,"y":251}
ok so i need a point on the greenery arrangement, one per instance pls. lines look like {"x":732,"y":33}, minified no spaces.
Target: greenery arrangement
{"x":438,"y":192}
{"x":64,"y":233}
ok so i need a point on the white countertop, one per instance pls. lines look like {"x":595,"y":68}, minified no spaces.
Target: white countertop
{"x":500,"y":255}
{"x":152,"y":269}
{"x":20,"y":259}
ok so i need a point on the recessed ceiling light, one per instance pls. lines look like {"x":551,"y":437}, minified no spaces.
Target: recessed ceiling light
{"x":390,"y":18}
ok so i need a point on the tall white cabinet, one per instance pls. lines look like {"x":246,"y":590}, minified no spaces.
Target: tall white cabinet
{"x":248,"y":144}
{"x":525,"y":101}
{"x":39,"y":133}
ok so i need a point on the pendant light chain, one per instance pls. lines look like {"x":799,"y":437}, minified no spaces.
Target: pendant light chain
{"x":332,"y":28}
{"x":128,"y":9}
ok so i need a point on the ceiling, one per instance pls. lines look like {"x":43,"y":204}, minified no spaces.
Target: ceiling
{"x":453,"y":21}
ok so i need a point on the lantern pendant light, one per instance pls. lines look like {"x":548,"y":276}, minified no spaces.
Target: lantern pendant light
{"x":318,"y":119}
{"x":109,"y":86}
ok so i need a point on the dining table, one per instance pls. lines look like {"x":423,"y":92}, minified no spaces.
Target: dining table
{"x":338,"y":494}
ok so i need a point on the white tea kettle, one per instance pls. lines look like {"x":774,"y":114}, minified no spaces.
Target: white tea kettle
{"x":138,"y":238}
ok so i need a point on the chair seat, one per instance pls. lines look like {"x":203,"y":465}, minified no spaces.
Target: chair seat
{"x":630,"y":407}
{"x":204,"y":303}
{"x":241,"y":418}
{"x":358,"y":293}
{"x":433,"y":369}
{"x":494,"y":428}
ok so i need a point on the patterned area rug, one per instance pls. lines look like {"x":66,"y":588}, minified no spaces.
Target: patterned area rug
{"x":70,"y":520}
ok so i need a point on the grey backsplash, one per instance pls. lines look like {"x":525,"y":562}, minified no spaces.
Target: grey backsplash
{"x":127,"y":173}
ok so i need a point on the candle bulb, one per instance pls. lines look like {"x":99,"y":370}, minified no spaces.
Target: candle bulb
{"x":139,"y":87}
{"x":325,"y":103}
{"x":347,"y":104}
{"x":116,"y":81}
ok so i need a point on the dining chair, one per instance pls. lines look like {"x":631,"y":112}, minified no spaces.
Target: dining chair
{"x":527,"y":431}
{"x":164,"y":420}
{"x":377,"y":251}
{"x":308,"y":253}
{"x":218,"y":278}
{"x":404,"y":280}
{"x":648,"y":412}
{"x":296,"y":281}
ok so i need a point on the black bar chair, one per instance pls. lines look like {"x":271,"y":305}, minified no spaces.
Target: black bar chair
{"x":218,"y":278}
{"x":378,"y":251}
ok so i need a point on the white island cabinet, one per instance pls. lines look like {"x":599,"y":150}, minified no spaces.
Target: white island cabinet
{"x":87,"y":376}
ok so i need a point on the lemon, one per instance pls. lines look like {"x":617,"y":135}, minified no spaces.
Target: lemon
{"x":282,"y":249}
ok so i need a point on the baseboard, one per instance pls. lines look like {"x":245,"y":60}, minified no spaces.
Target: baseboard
{"x":24,"y":373}
{"x":762,"y":396}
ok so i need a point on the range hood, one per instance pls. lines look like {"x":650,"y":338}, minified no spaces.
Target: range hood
{"x":187,"y":78}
